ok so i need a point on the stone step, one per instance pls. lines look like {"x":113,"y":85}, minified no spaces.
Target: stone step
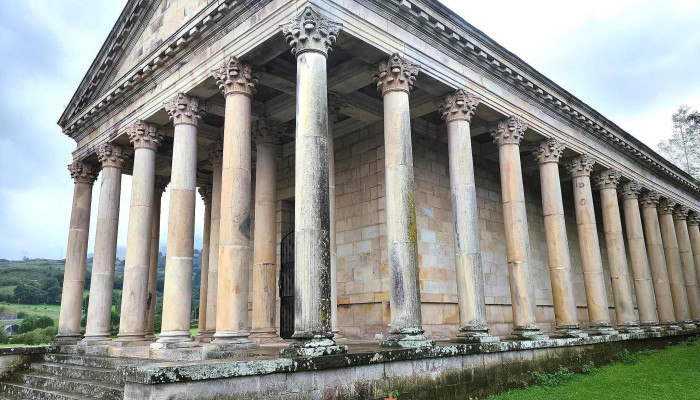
{"x":105,"y":375}
{"x":104,"y":391}
{"x":94,"y":361}
{"x":19,"y":391}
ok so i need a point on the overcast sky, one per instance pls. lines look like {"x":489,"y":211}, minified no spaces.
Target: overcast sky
{"x":634,"y":61}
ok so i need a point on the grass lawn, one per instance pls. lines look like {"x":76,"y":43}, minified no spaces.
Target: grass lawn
{"x":38,"y":310}
{"x":673,"y":373}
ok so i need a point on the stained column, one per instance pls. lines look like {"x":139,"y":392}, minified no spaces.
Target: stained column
{"x":673,"y":263}
{"x":694,"y":233}
{"x":161,"y":183}
{"x":639,"y":261}
{"x":457,"y":111}
{"x":548,"y":153}
{"x":206,"y":193}
{"x":607,"y":182}
{"x":265,"y":245}
{"x":395,"y":81}
{"x":132,"y":324}
{"x":310,"y":36}
{"x":507,"y":135}
{"x":185,"y":112}
{"x":680,"y":214}
{"x":216,"y":156}
{"x":238,"y":86}
{"x":657,"y":261}
{"x":591,"y":261}
{"x":99,"y":314}
{"x":83,"y":176}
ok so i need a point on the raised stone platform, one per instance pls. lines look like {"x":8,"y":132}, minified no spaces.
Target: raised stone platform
{"x":447,"y":371}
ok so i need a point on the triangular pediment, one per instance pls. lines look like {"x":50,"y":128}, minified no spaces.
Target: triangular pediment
{"x":141,"y":28}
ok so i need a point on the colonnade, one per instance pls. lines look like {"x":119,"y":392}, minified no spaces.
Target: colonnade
{"x":659,"y":266}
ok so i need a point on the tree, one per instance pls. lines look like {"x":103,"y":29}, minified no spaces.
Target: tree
{"x":683,"y":147}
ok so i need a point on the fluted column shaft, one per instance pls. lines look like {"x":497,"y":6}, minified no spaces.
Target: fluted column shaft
{"x":687,"y":263}
{"x":457,"y":110}
{"x":657,"y":260}
{"x":105,"y":251}
{"x":234,"y":230}
{"x":132,"y":324}
{"x":206,"y":193}
{"x":607,"y":182}
{"x":548,"y":154}
{"x":160,"y":185}
{"x":185,"y":112}
{"x":507,"y":134}
{"x":639,"y":261}
{"x":265,"y":246}
{"x":591,"y":261}
{"x":76,"y":254}
{"x":673,"y":263}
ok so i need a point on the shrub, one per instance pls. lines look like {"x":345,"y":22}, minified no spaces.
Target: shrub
{"x":36,"y":337}
{"x":626,"y":357}
{"x":558,"y":378}
{"x":588,"y":368}
{"x":31,"y":323}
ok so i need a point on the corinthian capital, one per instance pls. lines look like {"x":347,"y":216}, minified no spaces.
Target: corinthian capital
{"x":310,"y":31}
{"x":508,"y":131}
{"x":608,"y":179}
{"x":216,"y":153}
{"x":234,"y":77}
{"x":630,"y":190}
{"x":111,"y":155}
{"x":267,"y":132}
{"x":144,"y":135}
{"x":666,"y":206}
{"x":580,"y":166}
{"x":161,"y":182}
{"x":694,"y":219}
{"x":206,"y":192}
{"x":185,"y":110}
{"x":459,"y":105}
{"x":649,"y":199}
{"x":681,"y":212}
{"x":548,"y":151}
{"x":396,"y":74}
{"x":82,"y":172}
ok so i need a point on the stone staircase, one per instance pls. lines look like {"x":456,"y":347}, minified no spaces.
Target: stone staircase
{"x":61,"y":376}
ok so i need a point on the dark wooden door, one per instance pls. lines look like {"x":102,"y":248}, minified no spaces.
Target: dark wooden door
{"x":286,"y":283}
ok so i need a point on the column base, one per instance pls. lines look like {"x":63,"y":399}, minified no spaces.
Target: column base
{"x":411,"y":337}
{"x":687,"y":325}
{"x":569,"y":331}
{"x":671,"y":327}
{"x":528,"y":332}
{"x":66,"y":340}
{"x":266,"y":336}
{"x":651,"y":327}
{"x":314,"y":347}
{"x":123,"y":340}
{"x":204,"y":336}
{"x":174,"y":340}
{"x":601,"y":329}
{"x":95,"y":340}
{"x":474,"y":334}
{"x":630,"y":327}
{"x":227,"y":345}
{"x":338,"y":337}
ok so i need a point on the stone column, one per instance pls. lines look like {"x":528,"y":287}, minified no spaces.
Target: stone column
{"x":548,"y":153}
{"x":206,"y":193}
{"x":395,"y":81}
{"x":76,"y":254}
{"x":216,"y":155}
{"x":99,"y":314}
{"x":639,"y":262}
{"x":657,"y":262}
{"x":593,"y":279}
{"x":507,"y":134}
{"x":264,"y":240}
{"x":694,"y":233}
{"x":457,"y":111}
{"x":607,"y":182}
{"x":132,"y":324}
{"x":673,"y":263}
{"x":335,"y":104}
{"x":185,"y":112}
{"x":160,"y":184}
{"x":238,"y":85}
{"x":680,"y":214}
{"x":311,"y":36}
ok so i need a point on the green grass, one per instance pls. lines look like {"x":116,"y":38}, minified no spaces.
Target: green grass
{"x":673,"y":373}
{"x":8,"y":290}
{"x":38,"y":310}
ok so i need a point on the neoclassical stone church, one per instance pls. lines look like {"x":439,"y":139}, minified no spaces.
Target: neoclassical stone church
{"x":392,"y":200}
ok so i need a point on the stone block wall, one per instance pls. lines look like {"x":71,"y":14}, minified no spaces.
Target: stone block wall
{"x":363,"y":279}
